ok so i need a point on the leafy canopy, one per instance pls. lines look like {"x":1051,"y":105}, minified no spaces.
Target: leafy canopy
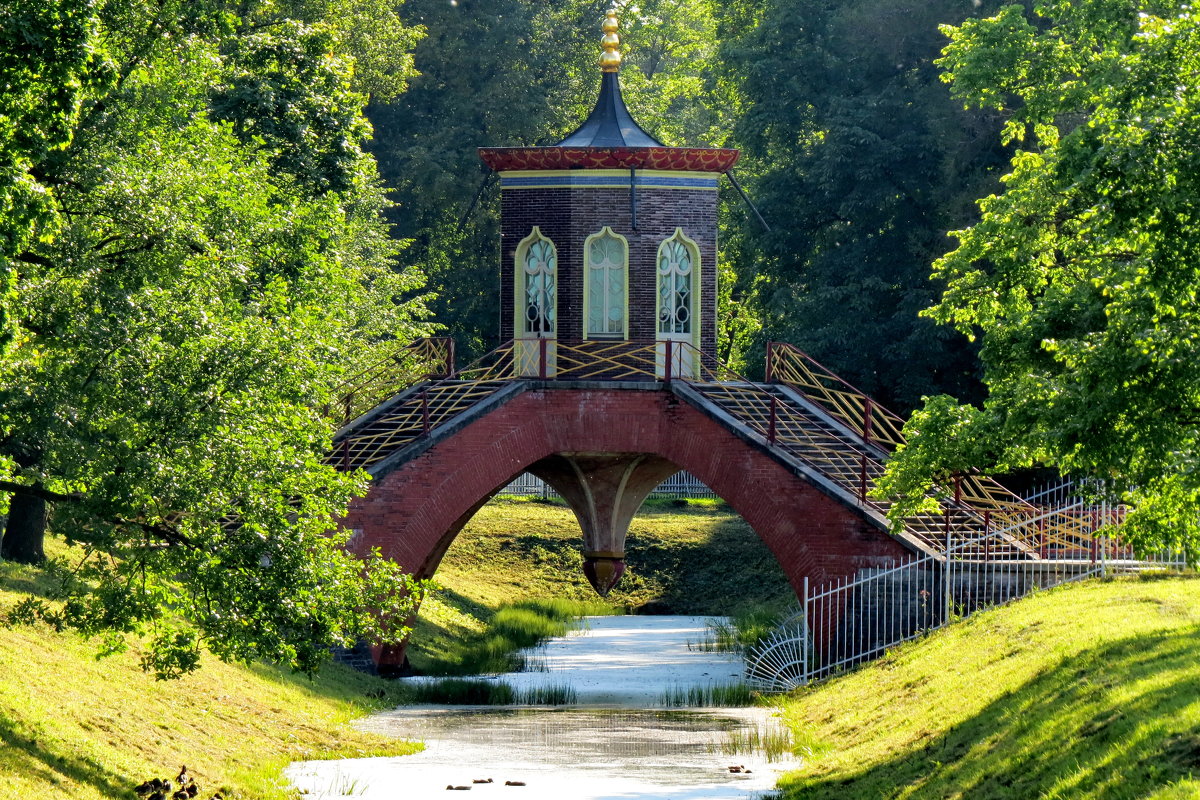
{"x":210,"y":264}
{"x":860,"y":160}
{"x":1082,"y":277}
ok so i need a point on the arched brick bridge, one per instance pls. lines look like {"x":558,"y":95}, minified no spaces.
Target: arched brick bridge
{"x":607,"y":426}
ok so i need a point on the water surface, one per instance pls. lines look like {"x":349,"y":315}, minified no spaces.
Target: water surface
{"x":612,"y":746}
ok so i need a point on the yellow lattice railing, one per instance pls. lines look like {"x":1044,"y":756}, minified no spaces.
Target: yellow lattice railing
{"x":430,"y":357}
{"x":791,"y":366}
{"x":1036,"y":529}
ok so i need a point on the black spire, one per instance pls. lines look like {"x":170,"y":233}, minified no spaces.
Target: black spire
{"x":610,"y":123}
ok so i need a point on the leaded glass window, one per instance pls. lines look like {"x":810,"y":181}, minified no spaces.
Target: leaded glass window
{"x":607,"y":253}
{"x":675,"y":271}
{"x":540,"y":269}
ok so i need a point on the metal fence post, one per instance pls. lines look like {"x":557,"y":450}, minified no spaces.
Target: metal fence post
{"x":542,"y":358}
{"x":667,"y":360}
{"x":769,"y":375}
{"x":862,"y":478}
{"x":946,"y":573}
{"x":425,"y":410}
{"x":806,"y":668}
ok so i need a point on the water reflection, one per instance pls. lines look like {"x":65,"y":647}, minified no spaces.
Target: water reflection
{"x":582,"y":754}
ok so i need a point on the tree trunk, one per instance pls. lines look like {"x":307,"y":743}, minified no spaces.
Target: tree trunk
{"x":26,"y":530}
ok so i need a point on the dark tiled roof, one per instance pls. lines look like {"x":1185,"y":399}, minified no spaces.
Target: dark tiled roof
{"x":610,"y":124}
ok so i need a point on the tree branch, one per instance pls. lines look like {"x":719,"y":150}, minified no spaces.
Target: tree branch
{"x":40,"y":491}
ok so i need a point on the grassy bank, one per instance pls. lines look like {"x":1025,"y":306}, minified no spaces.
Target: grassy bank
{"x":72,"y":726}
{"x":681,"y":559}
{"x":1089,"y":691}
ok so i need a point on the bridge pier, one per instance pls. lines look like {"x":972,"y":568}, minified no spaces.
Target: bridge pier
{"x":604,"y":490}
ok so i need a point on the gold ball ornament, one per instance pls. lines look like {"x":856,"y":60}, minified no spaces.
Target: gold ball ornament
{"x":610,"y":59}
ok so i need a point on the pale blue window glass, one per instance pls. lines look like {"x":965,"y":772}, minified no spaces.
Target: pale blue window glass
{"x":540,"y":269}
{"x":674,"y":287}
{"x":606,"y":286}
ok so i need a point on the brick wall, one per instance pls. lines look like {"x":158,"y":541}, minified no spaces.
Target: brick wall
{"x":414,"y":512}
{"x":568,"y":216}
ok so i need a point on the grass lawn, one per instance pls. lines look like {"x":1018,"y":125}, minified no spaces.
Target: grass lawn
{"x":1086,"y":691}
{"x":72,"y":726}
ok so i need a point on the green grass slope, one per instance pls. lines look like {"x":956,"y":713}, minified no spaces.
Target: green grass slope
{"x":78,"y":728}
{"x":1087,"y":691}
{"x":698,"y":558}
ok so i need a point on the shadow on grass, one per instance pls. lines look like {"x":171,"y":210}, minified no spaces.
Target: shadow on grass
{"x":1105,"y":724}
{"x":726,"y":572}
{"x":46,"y":767}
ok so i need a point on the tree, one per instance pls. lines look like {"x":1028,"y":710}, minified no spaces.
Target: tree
{"x":1080,"y":279}
{"x":46,"y":65}
{"x":860,"y":161}
{"x":214,"y":265}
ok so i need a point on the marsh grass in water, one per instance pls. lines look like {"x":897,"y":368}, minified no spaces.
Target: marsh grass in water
{"x":731,"y":695}
{"x":479,"y":692}
{"x":553,"y":695}
{"x":741,"y":632}
{"x":464,"y":692}
{"x":773,"y":742}
{"x":515,"y":627}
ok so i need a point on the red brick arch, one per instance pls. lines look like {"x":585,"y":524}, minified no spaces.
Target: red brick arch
{"x":414,"y":512}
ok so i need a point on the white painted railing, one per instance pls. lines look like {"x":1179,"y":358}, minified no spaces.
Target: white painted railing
{"x":846,"y":622}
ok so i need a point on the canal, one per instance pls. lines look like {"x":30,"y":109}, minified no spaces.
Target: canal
{"x":618,"y":739}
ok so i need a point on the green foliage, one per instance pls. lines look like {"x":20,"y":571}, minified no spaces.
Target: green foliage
{"x":217,"y":265}
{"x":860,"y":161}
{"x":1080,"y":277}
{"x":49,"y":61}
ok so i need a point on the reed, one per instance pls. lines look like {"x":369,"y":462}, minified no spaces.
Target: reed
{"x":515,"y":627}
{"x":464,"y":692}
{"x":553,"y":695}
{"x":774,"y":742}
{"x":731,"y":695}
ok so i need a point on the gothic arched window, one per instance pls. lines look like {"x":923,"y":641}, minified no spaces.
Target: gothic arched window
{"x":537,"y":290}
{"x":678,"y":264}
{"x":606,"y":258}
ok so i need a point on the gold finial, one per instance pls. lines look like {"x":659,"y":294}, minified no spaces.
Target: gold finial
{"x":610,"y":59}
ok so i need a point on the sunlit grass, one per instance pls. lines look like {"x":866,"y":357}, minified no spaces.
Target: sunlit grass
{"x":1087,"y":691}
{"x":75,"y":727}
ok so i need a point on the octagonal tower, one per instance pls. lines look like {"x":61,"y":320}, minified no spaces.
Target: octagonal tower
{"x":609,"y":239}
